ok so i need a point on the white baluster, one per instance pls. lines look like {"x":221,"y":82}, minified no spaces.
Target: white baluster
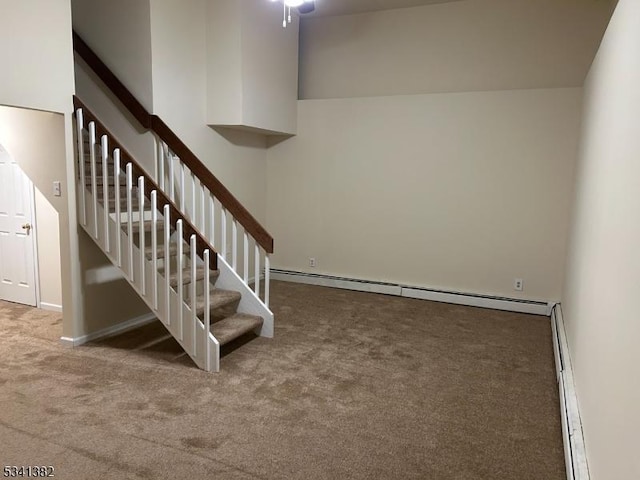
{"x":193,"y":217}
{"x":267,"y":276}
{"x":234,"y":245}
{"x":116,"y":175}
{"x":94,"y":187}
{"x":172,"y":187}
{"x":167,"y":262}
{"x":182,"y":206}
{"x":81,"y":165}
{"x":156,"y":164}
{"x":154,"y":246}
{"x":180,"y":279}
{"x":212,"y":219}
{"x":246,"y":258}
{"x":143,"y":284}
{"x":256,"y":271}
{"x":207,"y":306}
{"x":160,"y":164}
{"x":194,"y":316}
{"x":129,"y":218}
{"x":203,"y":216}
{"x":223,"y":231}
{"x":105,"y":189}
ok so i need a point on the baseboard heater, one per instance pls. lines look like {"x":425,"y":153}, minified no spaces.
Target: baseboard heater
{"x":458,"y":298}
{"x":574,"y":449}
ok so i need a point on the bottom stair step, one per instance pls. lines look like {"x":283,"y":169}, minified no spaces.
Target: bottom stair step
{"x":235,"y":326}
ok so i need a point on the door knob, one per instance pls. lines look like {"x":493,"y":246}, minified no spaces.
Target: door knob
{"x":27,"y":227}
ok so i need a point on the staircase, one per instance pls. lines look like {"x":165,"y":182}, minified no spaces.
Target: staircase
{"x":159,"y":229}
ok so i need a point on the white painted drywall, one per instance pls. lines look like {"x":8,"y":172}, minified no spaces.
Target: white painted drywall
{"x":462,"y":191}
{"x":179,"y":41}
{"x":118,"y":31}
{"x":600,"y":301}
{"x":471,"y":45}
{"x":36,"y":57}
{"x":224,"y":62}
{"x":139,"y":142}
{"x":252,"y":74}
{"x":48,"y":236}
{"x":37,"y":73}
{"x":269,"y":67}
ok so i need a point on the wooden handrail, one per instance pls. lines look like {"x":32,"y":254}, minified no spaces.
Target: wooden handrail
{"x":174,"y":212}
{"x":111,"y":81}
{"x":162,"y":130}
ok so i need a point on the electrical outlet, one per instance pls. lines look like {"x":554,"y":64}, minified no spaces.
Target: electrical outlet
{"x":518,"y":284}
{"x":312,"y":262}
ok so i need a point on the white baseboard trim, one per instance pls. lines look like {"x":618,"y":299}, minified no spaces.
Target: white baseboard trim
{"x":459,"y":298}
{"x":51,"y":307}
{"x":574,"y":448}
{"x":109,"y":331}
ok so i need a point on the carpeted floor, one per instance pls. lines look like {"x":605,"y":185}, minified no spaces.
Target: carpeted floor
{"x":354,"y":386}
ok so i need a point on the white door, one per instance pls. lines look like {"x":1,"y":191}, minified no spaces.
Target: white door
{"x":17,"y":266}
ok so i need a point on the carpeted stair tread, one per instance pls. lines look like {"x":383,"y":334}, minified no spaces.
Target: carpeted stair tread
{"x":219,"y":298}
{"x":112,"y":191}
{"x":148,"y":226}
{"x":99,"y":172}
{"x":123,"y":203}
{"x":110,"y":180}
{"x":235,"y":326}
{"x":186,"y":275}
{"x":173,"y":250}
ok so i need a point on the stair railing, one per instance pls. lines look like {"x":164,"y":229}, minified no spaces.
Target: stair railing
{"x":195,"y":191}
{"x":212,"y":209}
{"x":106,"y":215}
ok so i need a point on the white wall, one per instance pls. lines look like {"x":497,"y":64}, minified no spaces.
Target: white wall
{"x":238,"y":159}
{"x":471,"y":45}
{"x":139,"y":142}
{"x":224,"y":62}
{"x":463,"y":192}
{"x":430,"y":150}
{"x":269,"y":67}
{"x":49,"y":262}
{"x":118,"y":31}
{"x":35,"y":54}
{"x":600,"y":300}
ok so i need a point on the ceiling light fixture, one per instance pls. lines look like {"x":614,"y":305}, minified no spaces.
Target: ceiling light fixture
{"x":287,"y":5}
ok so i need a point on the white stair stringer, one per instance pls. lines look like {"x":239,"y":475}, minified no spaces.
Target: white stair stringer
{"x":249,"y":303}
{"x":185,"y":327}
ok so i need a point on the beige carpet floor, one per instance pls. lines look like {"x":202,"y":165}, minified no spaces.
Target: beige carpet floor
{"x":354,"y":386}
